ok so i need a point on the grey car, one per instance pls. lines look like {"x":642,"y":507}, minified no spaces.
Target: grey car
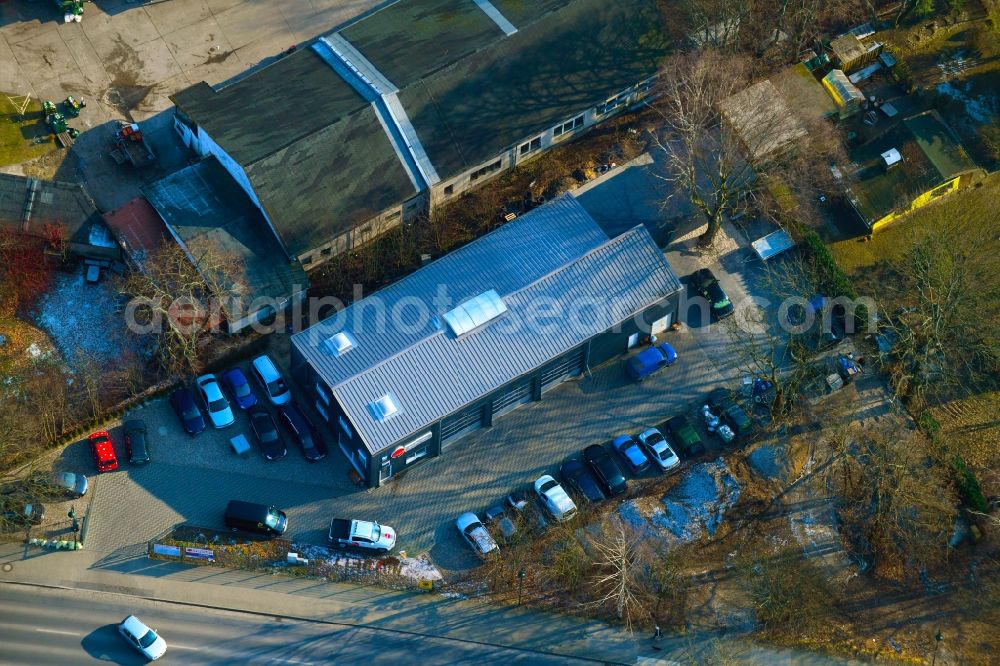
{"x":70,"y":483}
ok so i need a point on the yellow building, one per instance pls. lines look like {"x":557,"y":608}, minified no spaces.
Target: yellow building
{"x":914,"y":163}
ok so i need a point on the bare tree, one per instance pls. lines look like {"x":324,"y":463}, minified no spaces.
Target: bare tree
{"x":619,"y":573}
{"x":183,"y":298}
{"x":942,"y":302}
{"x":897,"y":497}
{"x":719,"y":137}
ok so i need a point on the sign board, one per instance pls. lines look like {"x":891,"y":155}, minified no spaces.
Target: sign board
{"x":169,"y":551}
{"x":426,"y":585}
{"x":200,"y":554}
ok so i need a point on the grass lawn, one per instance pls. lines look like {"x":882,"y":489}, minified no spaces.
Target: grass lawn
{"x":17,"y":133}
{"x":977,"y":204}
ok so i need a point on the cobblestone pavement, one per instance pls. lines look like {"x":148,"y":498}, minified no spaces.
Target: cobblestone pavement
{"x":191,"y":479}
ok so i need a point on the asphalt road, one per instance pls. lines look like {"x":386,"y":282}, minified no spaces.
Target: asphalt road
{"x":45,"y":626}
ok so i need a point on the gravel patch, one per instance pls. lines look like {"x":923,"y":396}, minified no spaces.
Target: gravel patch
{"x":769,"y":462}
{"x":83,"y":319}
{"x":693,"y":508}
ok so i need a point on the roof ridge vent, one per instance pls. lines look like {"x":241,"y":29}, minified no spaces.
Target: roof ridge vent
{"x":384,"y":408}
{"x":340,"y":343}
{"x":475,"y":312}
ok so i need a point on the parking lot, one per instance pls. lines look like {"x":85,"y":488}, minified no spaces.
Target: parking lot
{"x":191,"y":479}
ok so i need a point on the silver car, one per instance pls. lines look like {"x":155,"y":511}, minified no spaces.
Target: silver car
{"x":475,"y":534}
{"x":219,"y":411}
{"x":142,"y":638}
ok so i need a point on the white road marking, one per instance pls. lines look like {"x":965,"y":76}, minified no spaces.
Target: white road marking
{"x":56,"y":631}
{"x":291,"y":661}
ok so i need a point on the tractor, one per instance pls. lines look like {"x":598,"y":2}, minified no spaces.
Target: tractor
{"x":73,"y":106}
{"x":72,"y":10}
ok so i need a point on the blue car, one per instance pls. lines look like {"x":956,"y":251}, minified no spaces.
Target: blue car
{"x":187,"y":411}
{"x":238,"y":386}
{"x":649,"y":361}
{"x":629,"y":450}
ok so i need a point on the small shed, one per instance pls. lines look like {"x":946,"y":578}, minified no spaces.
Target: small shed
{"x":772,"y":244}
{"x":848,"y":98}
{"x":851,"y":53}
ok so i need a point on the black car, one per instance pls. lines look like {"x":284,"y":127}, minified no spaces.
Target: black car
{"x":721,"y":402}
{"x":303,"y":432}
{"x":707,"y":285}
{"x":187,"y":411}
{"x":607,"y":471}
{"x":577,"y":477}
{"x":136,"y":442}
{"x":272,"y":446}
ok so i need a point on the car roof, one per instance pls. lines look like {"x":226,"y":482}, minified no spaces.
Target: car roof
{"x":135,"y":625}
{"x":466,"y":519}
{"x":234,"y":373}
{"x":265,"y":366}
{"x":184,"y":394}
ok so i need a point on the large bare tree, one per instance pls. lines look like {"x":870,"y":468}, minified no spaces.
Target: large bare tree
{"x":942,"y":308}
{"x":719,"y":136}
{"x":182,"y":300}
{"x":896,"y":496}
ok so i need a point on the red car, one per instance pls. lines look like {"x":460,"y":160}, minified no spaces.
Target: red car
{"x":104,"y":451}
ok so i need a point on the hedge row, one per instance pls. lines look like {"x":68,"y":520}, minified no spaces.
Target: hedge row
{"x":968,"y":485}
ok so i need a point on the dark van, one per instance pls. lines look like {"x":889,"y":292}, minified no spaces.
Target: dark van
{"x":256,"y":518}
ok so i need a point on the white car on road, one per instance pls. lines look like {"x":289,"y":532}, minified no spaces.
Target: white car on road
{"x":475,"y":534}
{"x":656,"y":448}
{"x":554,"y":498}
{"x":142,"y":638}
{"x":219,"y":411}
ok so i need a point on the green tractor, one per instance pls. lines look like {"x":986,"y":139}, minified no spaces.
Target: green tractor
{"x":73,"y":106}
{"x":57,"y":122}
{"x":72,"y":10}
{"x":48,"y":107}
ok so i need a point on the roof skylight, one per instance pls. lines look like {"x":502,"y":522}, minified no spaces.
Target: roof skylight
{"x":340,"y":343}
{"x":384,"y":408}
{"x":475,"y":312}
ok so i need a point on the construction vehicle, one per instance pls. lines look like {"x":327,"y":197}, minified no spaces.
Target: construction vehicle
{"x":56,"y":121}
{"x":73,"y":106}
{"x":48,"y":107}
{"x":131,"y":146}
{"x":72,"y":10}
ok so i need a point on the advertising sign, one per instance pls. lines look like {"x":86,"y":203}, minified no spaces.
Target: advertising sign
{"x":169,"y":551}
{"x":199,"y":554}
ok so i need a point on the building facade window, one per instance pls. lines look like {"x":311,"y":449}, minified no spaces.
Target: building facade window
{"x":615,"y":102}
{"x":530,"y":146}
{"x":449,"y":190}
{"x":484,"y":171}
{"x":568,"y":126}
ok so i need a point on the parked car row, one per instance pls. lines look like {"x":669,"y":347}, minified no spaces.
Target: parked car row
{"x":598,"y":473}
{"x":217,"y":399}
{"x":103,"y":449}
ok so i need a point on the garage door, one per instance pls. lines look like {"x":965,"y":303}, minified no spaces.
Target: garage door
{"x":562,"y":369}
{"x":512,"y":398}
{"x":660,"y":325}
{"x":460,"y":424}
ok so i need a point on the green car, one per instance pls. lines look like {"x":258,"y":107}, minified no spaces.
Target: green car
{"x":683,"y":434}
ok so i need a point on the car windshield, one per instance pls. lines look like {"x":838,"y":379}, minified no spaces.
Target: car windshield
{"x":662,"y":450}
{"x":548,"y":485}
{"x":273,"y":518}
{"x":148,"y":639}
{"x":242,"y":390}
{"x":217,"y":405}
{"x":654,"y":439}
{"x":277,"y":387}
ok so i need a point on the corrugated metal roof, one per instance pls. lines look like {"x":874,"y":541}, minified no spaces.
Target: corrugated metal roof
{"x":555,"y":256}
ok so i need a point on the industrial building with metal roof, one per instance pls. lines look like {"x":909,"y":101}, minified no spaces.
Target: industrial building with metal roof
{"x":410,"y":369}
{"x":377,"y":123}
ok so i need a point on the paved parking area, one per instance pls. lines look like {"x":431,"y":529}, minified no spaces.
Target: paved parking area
{"x":191,"y":479}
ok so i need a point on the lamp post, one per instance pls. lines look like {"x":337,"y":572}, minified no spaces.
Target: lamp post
{"x":520,"y":586}
{"x":937,"y":643}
